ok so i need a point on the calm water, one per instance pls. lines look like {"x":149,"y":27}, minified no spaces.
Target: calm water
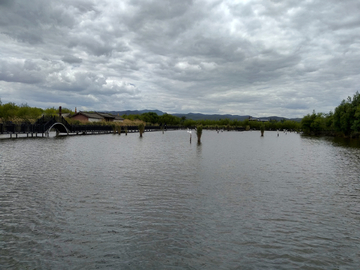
{"x":237,"y":201}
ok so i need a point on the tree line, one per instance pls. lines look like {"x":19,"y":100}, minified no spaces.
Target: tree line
{"x":168,"y":119}
{"x":344,"y":121}
{"x":24,"y":113}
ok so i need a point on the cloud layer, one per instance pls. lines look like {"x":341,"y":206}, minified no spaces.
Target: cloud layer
{"x":255,"y":57}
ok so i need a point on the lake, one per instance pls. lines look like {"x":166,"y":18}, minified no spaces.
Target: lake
{"x":236,"y":201}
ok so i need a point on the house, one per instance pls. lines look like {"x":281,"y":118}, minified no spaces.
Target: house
{"x":87,"y":117}
{"x":96,"y":117}
{"x":118,"y":119}
{"x":106,"y":117}
{"x":111,"y":118}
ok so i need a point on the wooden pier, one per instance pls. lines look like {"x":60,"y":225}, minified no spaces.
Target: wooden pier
{"x":60,"y":127}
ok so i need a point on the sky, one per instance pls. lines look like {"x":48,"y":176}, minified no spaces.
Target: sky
{"x":245,"y":57}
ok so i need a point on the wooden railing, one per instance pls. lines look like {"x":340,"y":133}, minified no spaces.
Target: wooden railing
{"x":44,"y":123}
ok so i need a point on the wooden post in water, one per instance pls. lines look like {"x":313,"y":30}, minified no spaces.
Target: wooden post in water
{"x":141,"y":129}
{"x":199,"y":133}
{"x":262,"y":129}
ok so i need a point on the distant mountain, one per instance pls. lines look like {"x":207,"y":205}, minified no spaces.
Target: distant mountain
{"x":128,"y":112}
{"x":277,"y":118}
{"x":200,"y":116}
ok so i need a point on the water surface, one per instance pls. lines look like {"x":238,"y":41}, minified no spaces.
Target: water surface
{"x":236,"y":201}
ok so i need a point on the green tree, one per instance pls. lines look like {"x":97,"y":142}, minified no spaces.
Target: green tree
{"x":344,"y":120}
{"x":26,"y":112}
{"x":329,"y":120}
{"x":314,"y":123}
{"x":344,"y":117}
{"x":51,"y":111}
{"x":169,"y":119}
{"x":355,"y":125}
{"x":189,"y":123}
{"x":318,"y":124}
{"x":55,"y":111}
{"x":183,"y":118}
{"x":306,"y":123}
{"x":224,"y":122}
{"x":8,"y":111}
{"x":150,"y":117}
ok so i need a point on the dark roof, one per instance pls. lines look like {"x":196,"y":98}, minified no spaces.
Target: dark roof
{"x":117,"y":117}
{"x":97,"y":115}
{"x":106,"y":115}
{"x":89,"y":115}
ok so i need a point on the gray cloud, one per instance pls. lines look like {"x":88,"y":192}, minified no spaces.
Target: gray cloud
{"x":252,"y":57}
{"x":5,"y":3}
{"x":71,"y":59}
{"x":27,"y":72}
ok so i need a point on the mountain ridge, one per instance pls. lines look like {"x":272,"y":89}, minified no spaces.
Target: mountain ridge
{"x":201,"y":116}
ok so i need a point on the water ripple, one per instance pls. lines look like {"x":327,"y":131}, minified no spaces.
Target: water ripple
{"x":237,"y":201}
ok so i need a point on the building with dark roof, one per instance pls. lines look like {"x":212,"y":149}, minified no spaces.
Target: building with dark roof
{"x":96,"y":117}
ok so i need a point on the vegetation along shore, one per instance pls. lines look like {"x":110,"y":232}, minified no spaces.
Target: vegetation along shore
{"x":344,"y":121}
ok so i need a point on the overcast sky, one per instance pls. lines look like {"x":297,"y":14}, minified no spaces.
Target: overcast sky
{"x":245,"y":57}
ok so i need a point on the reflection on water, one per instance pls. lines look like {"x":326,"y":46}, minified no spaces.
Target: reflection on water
{"x":335,"y":141}
{"x":235,"y":201}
